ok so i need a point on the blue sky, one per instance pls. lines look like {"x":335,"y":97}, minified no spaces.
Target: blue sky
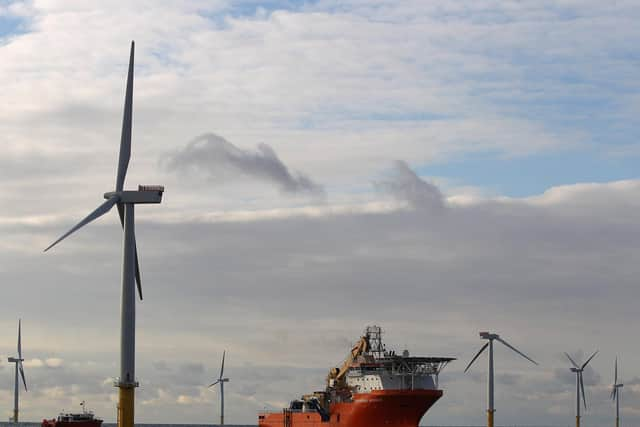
{"x":11,"y":26}
{"x":524,"y":176}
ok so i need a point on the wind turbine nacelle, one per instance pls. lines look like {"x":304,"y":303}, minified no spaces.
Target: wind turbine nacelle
{"x":145,"y":194}
{"x":14,"y":360}
{"x":488,"y":335}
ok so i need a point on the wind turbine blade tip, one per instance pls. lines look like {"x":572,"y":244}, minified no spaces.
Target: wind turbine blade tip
{"x":589,"y":359}
{"x":97,"y":213}
{"x":476,"y":356}
{"x":516,"y":350}
{"x":50,"y":246}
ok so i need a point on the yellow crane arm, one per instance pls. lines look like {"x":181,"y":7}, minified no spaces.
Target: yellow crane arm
{"x":362,"y":346}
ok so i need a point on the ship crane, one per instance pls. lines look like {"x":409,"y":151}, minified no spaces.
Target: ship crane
{"x":337,"y":375}
{"x":372,"y":387}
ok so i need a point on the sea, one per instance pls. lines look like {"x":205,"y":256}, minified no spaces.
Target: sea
{"x":32,"y":424}
{"x":38,"y":424}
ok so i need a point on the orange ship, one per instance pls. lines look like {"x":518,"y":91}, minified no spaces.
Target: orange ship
{"x":373,"y":388}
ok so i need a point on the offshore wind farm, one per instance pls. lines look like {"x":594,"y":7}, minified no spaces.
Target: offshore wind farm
{"x":446,"y":170}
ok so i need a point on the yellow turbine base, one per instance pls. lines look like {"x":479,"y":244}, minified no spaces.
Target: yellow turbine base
{"x":490,"y":418}
{"x":577,"y":421}
{"x":15,"y":416}
{"x":125,"y":406}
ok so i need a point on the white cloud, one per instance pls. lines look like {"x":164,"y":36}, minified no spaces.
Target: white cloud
{"x":339,"y":90}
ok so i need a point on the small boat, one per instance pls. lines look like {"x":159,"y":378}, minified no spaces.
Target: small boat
{"x":69,"y":419}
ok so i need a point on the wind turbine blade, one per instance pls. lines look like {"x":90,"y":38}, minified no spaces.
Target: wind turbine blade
{"x":138,"y":281}
{"x":584,"y":399}
{"x":516,"y":350}
{"x":476,"y":356}
{"x":100,"y":210}
{"x":222,"y":367}
{"x":613,"y":392}
{"x":135,"y":250}
{"x":22,"y":375}
{"x":589,"y":360}
{"x":615,"y":376}
{"x":125,"y":138}
{"x":211,"y":385}
{"x":575,"y":365}
{"x":19,"y":339}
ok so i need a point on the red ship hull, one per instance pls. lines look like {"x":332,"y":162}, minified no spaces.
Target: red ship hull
{"x":379,"y":408}
{"x":57,"y":423}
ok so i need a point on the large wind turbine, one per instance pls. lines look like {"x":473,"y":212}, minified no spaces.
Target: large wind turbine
{"x":615,"y":393}
{"x":579,"y":384}
{"x":490,"y":338}
{"x":125,"y":201}
{"x":18,"y":361}
{"x":221,"y":380}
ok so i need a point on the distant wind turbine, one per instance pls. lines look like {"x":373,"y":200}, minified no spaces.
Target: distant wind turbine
{"x":125,"y":201}
{"x":221,"y":380}
{"x":18,"y":361}
{"x":490,"y":338}
{"x":579,"y":384}
{"x":615,"y":393}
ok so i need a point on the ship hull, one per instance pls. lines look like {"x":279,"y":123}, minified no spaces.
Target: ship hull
{"x":379,"y":408}
{"x":82,"y":423}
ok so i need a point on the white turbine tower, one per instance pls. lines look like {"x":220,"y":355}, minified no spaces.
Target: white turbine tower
{"x":221,"y":380}
{"x":18,"y":361}
{"x":615,"y":393}
{"x":125,"y":201}
{"x":490,"y":338}
{"x":579,"y":384}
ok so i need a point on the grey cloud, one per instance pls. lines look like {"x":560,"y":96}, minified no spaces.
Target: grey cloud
{"x":633,"y":381}
{"x":161,"y":365}
{"x":214,"y":157}
{"x":508,"y":379}
{"x":295,"y":291}
{"x":406,"y":185}
{"x":192,"y":368}
{"x":590,"y":376}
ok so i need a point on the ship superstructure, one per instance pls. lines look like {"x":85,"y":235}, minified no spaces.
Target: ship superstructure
{"x":373,"y":387}
{"x":74,"y":419}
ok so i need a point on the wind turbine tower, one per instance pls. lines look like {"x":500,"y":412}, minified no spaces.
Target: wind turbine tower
{"x":18,"y":361}
{"x":579,"y":384}
{"x":125,"y":201}
{"x":221,"y":380}
{"x":490,"y":338}
{"x":615,"y":392}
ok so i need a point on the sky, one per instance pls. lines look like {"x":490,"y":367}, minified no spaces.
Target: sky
{"x":438,"y":168}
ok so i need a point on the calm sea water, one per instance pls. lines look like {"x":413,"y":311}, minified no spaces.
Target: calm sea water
{"x":29,"y":424}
